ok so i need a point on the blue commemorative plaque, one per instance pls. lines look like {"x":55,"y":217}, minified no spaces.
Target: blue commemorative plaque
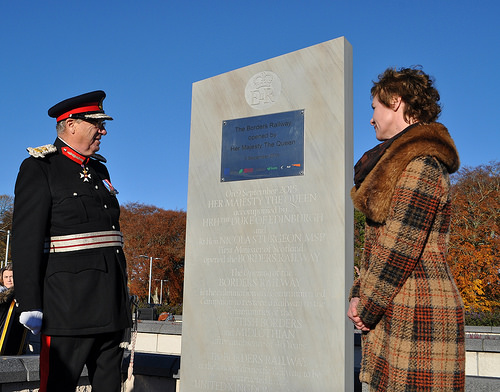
{"x":265,"y":146}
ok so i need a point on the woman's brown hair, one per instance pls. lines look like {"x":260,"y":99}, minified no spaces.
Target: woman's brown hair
{"x":416,"y":90}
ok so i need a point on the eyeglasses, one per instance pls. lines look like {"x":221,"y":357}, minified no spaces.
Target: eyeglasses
{"x":97,"y":124}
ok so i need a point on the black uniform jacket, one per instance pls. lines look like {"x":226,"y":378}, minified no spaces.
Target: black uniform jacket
{"x":82,"y":291}
{"x":12,"y":333}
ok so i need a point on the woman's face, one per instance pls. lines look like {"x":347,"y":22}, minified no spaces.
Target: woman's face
{"x":8,"y":279}
{"x":386,"y":120}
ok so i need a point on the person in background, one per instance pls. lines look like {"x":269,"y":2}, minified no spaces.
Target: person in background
{"x":6,"y":278}
{"x":12,"y":333}
{"x":405,"y":299}
{"x":71,"y":280}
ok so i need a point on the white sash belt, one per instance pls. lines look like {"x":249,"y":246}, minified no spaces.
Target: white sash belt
{"x":72,"y":242}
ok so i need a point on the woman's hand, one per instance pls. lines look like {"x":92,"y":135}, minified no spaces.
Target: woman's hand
{"x":353,"y":315}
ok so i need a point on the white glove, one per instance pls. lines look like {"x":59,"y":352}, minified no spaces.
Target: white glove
{"x":32,"y":320}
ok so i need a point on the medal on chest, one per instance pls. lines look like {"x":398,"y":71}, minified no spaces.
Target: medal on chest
{"x":110,"y":187}
{"x":85,"y":175}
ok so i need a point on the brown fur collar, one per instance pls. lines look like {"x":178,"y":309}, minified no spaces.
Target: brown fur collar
{"x":7,"y":296}
{"x":373,"y":197}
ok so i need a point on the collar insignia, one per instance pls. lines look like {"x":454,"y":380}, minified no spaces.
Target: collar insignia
{"x":74,"y":156}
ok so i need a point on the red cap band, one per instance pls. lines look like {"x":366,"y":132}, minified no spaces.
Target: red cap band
{"x":93,"y":108}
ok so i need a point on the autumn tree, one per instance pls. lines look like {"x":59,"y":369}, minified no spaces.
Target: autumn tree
{"x":474,"y":252}
{"x":154,"y":232}
{"x":6,"y":209}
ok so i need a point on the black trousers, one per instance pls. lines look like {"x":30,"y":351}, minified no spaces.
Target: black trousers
{"x":62,"y":359}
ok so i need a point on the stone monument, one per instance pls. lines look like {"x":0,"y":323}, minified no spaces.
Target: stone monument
{"x":269,"y":245}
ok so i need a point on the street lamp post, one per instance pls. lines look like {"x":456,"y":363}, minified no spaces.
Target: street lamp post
{"x":150,"y":272}
{"x":161,"y":289}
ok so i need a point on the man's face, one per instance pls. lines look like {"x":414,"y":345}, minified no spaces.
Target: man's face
{"x":86,"y":138}
{"x":8,"y":279}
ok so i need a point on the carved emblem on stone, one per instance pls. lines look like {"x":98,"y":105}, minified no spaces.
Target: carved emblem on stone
{"x":263,"y":90}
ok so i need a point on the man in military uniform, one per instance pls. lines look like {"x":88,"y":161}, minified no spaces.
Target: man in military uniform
{"x":70,"y":270}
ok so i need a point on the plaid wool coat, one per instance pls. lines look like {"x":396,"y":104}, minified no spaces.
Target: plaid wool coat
{"x":407,"y":294}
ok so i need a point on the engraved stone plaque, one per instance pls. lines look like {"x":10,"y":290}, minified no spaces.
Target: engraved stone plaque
{"x":269,"y":257}
{"x":263,"y":146}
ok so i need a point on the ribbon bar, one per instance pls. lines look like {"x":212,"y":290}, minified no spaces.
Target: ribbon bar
{"x":74,"y":242}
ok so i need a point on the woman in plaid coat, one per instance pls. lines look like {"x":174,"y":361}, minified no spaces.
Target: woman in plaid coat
{"x":405,"y":300}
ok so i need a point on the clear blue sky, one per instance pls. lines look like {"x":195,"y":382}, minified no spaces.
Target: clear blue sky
{"x":147,"y":54}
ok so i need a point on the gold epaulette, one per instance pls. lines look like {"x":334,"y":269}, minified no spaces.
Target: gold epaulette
{"x":42,"y":151}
